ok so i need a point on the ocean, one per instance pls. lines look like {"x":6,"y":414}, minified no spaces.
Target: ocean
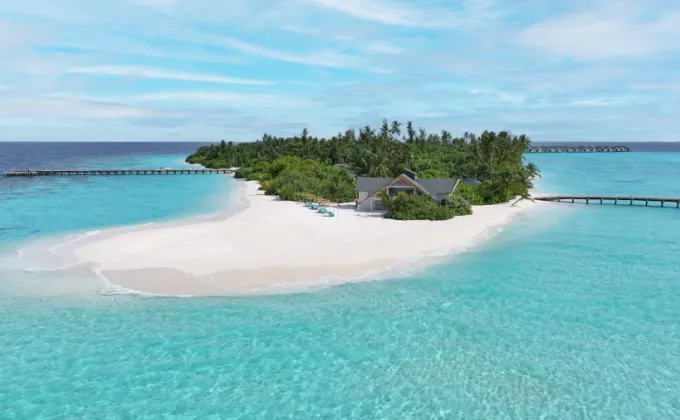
{"x":570,"y":312}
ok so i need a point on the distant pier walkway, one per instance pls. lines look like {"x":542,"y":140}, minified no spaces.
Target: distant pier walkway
{"x":576,"y":149}
{"x":71,"y":172}
{"x":612,"y":199}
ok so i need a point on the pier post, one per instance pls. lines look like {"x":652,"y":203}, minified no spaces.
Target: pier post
{"x":646,"y":203}
{"x":600,"y":200}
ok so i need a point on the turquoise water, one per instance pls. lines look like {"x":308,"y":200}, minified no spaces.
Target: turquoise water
{"x":569,"y":313}
{"x":34,"y":207}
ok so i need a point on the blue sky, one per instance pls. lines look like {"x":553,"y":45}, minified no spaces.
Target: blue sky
{"x":204,"y":70}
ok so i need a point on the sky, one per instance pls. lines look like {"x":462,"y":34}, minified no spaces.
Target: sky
{"x":205,"y":70}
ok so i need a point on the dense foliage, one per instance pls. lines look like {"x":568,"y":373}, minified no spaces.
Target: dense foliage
{"x":294,"y":166}
{"x":471,"y":194}
{"x":293,"y":178}
{"x":422,"y":207}
{"x":459,"y":205}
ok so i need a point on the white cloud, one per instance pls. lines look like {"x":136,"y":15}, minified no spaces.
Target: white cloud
{"x":382,"y":47}
{"x":67,"y":108}
{"x":236,"y":99}
{"x":602,"y":34}
{"x":149,"y":73}
{"x":390,"y":13}
{"x":669,"y":87}
{"x":14,"y":36}
{"x":163,"y":5}
{"x":501,"y":96}
{"x":317,"y":58}
{"x":595,"y":102}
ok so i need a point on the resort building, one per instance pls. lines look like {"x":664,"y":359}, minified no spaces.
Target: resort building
{"x":407,"y":182}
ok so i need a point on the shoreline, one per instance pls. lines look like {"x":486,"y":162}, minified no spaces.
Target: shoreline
{"x":274,"y":246}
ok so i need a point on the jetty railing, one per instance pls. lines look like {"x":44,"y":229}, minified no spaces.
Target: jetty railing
{"x":73,"y":172}
{"x":611,"y":199}
{"x":576,"y":149}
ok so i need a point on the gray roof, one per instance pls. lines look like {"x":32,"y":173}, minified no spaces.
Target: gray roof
{"x":346,"y":167}
{"x":470,"y":181}
{"x":371,"y":185}
{"x":436,"y":186}
{"x":433,"y":186}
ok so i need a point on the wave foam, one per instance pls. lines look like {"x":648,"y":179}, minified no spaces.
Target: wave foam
{"x":74,"y":239}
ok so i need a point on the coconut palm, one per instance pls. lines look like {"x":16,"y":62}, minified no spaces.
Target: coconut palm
{"x":385,"y":200}
{"x":531,"y":171}
{"x":396,"y":129}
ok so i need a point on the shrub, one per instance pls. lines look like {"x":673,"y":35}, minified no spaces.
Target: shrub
{"x":491,"y":193}
{"x":416,"y":207}
{"x":266,"y":186}
{"x":470,"y":193}
{"x":243,"y":172}
{"x":258,"y":176}
{"x":289,"y":192}
{"x":459,"y":205}
{"x":433,"y":173}
{"x":289,"y":185}
{"x":291,"y":178}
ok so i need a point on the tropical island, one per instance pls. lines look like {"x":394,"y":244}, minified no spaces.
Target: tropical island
{"x":275,"y":245}
{"x":294,"y":168}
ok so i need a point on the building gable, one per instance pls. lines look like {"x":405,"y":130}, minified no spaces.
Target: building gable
{"x":400,"y":182}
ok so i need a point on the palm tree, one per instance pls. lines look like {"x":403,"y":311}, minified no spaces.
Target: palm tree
{"x":379,"y":165}
{"x":531,"y":171}
{"x":366,"y":134}
{"x":384,"y":129}
{"x":385,"y":200}
{"x":446,"y":138}
{"x":525,"y":195}
{"x":305,"y":142}
{"x":410,"y":132}
{"x":334,"y":187}
{"x":396,"y":129}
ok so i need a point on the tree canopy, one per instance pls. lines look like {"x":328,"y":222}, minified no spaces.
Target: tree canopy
{"x":494,"y":158}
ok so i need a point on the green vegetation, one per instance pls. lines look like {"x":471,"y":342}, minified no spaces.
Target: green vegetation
{"x":459,"y":205}
{"x":422,"y":207}
{"x":303,"y":165}
{"x":293,"y":178}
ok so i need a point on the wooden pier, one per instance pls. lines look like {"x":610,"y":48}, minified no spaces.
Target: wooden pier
{"x":73,"y":172}
{"x":576,"y":149}
{"x":612,"y":199}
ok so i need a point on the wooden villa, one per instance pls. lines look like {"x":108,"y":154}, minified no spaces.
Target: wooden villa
{"x":407,"y":182}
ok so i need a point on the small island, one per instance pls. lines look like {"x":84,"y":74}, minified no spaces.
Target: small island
{"x":481,"y":169}
{"x":276,"y":245}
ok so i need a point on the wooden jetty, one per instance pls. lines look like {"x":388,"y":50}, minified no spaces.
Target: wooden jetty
{"x":611,"y":199}
{"x":576,"y":149}
{"x":73,"y":172}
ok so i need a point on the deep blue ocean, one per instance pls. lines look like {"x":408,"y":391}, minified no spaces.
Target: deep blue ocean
{"x":571,"y":312}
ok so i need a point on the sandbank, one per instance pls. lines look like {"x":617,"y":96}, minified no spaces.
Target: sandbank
{"x":276,"y":246}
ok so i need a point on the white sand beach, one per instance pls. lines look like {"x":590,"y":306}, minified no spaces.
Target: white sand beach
{"x":275,"y":246}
